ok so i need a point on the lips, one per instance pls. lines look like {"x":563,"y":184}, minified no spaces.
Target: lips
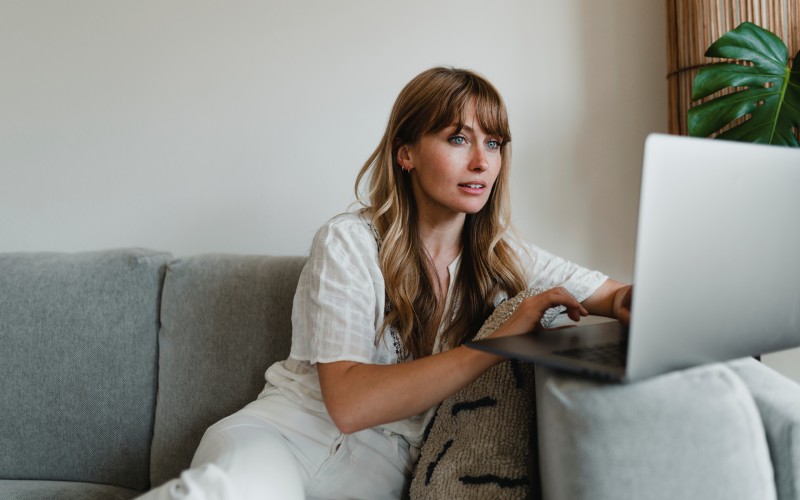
{"x":475,"y":188}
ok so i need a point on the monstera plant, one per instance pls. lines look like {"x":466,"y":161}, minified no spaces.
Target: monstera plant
{"x":769,"y":89}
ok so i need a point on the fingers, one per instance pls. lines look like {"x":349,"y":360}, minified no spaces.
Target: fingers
{"x":529,"y":313}
{"x":556,"y":297}
{"x":559,"y":296}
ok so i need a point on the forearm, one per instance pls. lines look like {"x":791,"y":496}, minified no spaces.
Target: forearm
{"x":606,"y":300}
{"x":359,"y":396}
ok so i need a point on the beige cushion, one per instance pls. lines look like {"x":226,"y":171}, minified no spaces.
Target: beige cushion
{"x":479,"y":443}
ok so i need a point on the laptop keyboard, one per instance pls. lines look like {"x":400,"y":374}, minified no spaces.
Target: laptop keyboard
{"x":610,"y":354}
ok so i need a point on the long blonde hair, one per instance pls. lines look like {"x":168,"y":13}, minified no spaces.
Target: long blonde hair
{"x":432,"y":101}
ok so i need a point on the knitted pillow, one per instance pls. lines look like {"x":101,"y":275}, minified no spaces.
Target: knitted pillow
{"x":481,"y":442}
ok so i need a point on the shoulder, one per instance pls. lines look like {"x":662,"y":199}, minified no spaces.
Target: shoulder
{"x":347,"y":221}
{"x":343,"y":259}
{"x":537,"y":263}
{"x":345,"y":239}
{"x":525,"y":251}
{"x":546,"y":270}
{"x":348,"y":228}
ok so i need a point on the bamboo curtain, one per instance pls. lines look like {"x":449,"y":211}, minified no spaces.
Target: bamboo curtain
{"x":693,"y":25}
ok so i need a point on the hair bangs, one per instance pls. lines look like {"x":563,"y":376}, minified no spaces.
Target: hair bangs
{"x":488,"y":107}
{"x":491,"y":114}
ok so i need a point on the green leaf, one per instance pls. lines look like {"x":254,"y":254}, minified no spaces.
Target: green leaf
{"x":771,"y":95}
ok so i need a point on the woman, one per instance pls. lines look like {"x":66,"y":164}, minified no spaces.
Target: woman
{"x":384,"y":303}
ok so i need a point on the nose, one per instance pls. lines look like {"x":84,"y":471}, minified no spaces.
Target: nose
{"x":479,"y":161}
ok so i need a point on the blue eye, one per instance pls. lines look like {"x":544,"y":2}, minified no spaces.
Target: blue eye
{"x":458,"y":140}
{"x":493,"y":144}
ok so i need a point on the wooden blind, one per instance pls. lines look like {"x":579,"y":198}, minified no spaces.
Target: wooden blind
{"x":693,"y":25}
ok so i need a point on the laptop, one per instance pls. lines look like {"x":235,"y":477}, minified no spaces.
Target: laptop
{"x":716,"y":272}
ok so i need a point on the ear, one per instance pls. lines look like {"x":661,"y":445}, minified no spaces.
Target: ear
{"x":405,"y":157}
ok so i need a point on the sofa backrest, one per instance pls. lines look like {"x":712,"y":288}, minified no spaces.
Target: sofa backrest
{"x":78,"y":351}
{"x":225,"y":319}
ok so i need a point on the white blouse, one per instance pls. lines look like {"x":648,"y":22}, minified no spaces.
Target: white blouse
{"x":339,"y":307}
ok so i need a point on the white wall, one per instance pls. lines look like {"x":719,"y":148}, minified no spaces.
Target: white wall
{"x":239,"y":126}
{"x":211,"y":126}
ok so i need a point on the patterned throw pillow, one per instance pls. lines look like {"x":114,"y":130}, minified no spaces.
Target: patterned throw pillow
{"x":481,"y":442}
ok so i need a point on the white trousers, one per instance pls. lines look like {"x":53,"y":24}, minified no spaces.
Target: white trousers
{"x":273,"y":449}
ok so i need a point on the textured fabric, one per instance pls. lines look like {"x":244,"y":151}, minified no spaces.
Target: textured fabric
{"x":480,"y":439}
{"x":479,"y":444}
{"x":225,"y":319}
{"x":340,"y":297}
{"x":342,"y":290}
{"x":543,"y":270}
{"x":62,"y":490}
{"x":339,"y":308}
{"x":78,"y":365}
{"x":297,"y":377}
{"x":778,"y":401}
{"x":689,"y":434}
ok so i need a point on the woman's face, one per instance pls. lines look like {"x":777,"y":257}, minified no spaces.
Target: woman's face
{"x":452,"y":173}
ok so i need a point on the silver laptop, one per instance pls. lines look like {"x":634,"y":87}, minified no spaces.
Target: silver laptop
{"x":717,"y":267}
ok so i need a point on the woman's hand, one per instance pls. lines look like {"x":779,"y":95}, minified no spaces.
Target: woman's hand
{"x":612,"y":300}
{"x":623,"y":298}
{"x":530,"y":311}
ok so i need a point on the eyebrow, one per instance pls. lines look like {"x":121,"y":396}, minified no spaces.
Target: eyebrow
{"x":472,"y":131}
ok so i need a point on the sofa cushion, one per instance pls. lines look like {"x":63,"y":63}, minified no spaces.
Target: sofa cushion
{"x":778,"y":401}
{"x":78,"y":365}
{"x":225,"y":319}
{"x":479,"y":443}
{"x":62,"y":490}
{"x":694,"y":433}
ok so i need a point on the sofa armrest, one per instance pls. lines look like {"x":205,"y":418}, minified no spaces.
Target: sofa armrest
{"x":689,"y":434}
{"x":778,"y":401}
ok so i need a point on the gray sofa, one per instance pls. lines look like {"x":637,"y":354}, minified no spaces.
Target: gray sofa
{"x":113,"y":364}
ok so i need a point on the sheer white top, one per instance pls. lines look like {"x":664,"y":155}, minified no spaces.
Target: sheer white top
{"x":339,"y":307}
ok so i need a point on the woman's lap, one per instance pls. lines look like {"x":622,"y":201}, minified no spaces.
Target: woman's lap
{"x":366,"y":464}
{"x":274,"y":449}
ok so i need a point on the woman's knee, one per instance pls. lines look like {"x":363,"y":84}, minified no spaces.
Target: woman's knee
{"x":253,"y":456}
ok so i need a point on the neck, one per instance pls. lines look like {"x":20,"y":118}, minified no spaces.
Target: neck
{"x":442,"y":238}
